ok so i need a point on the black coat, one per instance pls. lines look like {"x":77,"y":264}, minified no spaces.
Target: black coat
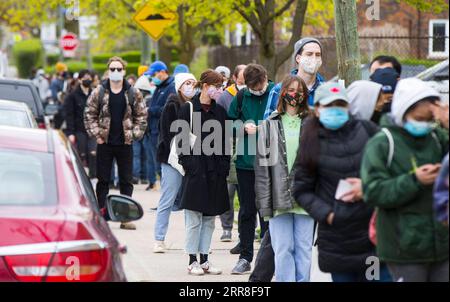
{"x":74,"y":106}
{"x":205,"y":183}
{"x":345,"y":245}
{"x":168,"y":116}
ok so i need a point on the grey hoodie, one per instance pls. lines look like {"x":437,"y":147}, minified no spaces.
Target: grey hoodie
{"x":363,"y":96}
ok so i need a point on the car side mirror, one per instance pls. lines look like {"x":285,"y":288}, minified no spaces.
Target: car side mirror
{"x":123,"y":208}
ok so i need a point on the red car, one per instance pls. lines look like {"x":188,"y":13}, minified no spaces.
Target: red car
{"x":51,"y":228}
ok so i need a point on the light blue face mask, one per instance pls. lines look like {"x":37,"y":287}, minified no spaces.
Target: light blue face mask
{"x":156,"y":81}
{"x":152,"y":90}
{"x":333,"y":118}
{"x":418,"y":129}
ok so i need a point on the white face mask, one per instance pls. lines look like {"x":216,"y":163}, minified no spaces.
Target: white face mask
{"x":115,"y":76}
{"x":310,"y":65}
{"x":240,"y":87}
{"x":259,"y":92}
{"x":188,"y":91}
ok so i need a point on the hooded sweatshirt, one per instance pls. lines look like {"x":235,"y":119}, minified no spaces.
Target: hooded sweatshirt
{"x":363,"y":96}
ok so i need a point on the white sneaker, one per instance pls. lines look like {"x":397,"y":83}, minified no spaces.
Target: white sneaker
{"x":159,"y":247}
{"x":208,"y":268}
{"x":196,"y":269}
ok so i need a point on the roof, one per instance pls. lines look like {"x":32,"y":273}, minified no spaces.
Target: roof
{"x":24,"y":139}
{"x":13,"y":105}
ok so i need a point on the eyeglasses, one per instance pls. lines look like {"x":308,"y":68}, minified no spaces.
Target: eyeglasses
{"x":114,"y":69}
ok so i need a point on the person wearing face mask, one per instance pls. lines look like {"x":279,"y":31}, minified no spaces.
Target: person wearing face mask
{"x":204,"y":192}
{"x":248,"y":106}
{"x":366,"y":100}
{"x":291,"y":228}
{"x":115,"y":115}
{"x":170,"y":179}
{"x":165,"y":86}
{"x":74,"y":106}
{"x":331,"y":148}
{"x":308,"y":57}
{"x":399,"y":168}
{"x":226,"y":73}
{"x":388,"y":78}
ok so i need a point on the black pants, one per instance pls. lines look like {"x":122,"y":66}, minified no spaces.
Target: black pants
{"x":265,"y":262}
{"x":247,"y":213}
{"x":86,"y":149}
{"x":123,"y":154}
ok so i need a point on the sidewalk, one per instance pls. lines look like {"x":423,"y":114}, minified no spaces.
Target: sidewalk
{"x":141,"y":264}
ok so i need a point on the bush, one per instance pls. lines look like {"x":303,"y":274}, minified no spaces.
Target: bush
{"x":52,"y":59}
{"x":28,"y":54}
{"x":102,"y":58}
{"x":131,"y":56}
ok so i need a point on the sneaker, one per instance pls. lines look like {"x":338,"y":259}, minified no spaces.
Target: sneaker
{"x":135,"y":181}
{"x":151,"y":186}
{"x":242,"y":267}
{"x":226,"y":236}
{"x":144,"y":182}
{"x":236,"y":250}
{"x":208,"y":268}
{"x":159,"y":247}
{"x":127,"y":226}
{"x":195,"y":269}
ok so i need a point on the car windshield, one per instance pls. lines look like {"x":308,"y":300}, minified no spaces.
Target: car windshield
{"x":14,"y":118}
{"x":19,"y":93}
{"x":27,"y":178}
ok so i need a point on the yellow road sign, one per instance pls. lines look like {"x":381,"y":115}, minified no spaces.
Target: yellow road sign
{"x":154,"y":22}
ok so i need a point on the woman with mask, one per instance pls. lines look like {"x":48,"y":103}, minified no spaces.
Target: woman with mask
{"x":399,"y":168}
{"x":331,"y":148}
{"x":206,"y":166}
{"x":171,"y":179}
{"x":291,"y":228}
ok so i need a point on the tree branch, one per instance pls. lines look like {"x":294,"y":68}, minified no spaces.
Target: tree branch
{"x":284,"y":8}
{"x":251,"y":19}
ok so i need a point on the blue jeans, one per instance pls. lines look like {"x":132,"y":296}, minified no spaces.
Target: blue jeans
{"x":149,"y":160}
{"x":292,"y":240}
{"x":360,"y":276}
{"x":140,"y":156}
{"x":170,"y":185}
{"x":199,"y":231}
{"x":154,"y":166}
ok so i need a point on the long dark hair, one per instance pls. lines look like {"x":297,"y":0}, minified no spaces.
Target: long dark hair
{"x":309,"y":148}
{"x":303,"y":108}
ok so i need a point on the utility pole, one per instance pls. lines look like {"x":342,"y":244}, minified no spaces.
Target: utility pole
{"x":60,"y":30}
{"x":347,"y":41}
{"x":146,"y":57}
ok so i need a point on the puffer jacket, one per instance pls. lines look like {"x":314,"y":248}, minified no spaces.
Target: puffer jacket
{"x":343,"y":246}
{"x":272,"y":179}
{"x":97,"y":120}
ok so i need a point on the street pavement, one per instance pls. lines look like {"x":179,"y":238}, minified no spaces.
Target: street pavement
{"x":141,"y":264}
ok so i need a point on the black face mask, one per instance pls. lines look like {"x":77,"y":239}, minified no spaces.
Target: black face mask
{"x":294,"y":101}
{"x":386,"y":107}
{"x":86,"y":83}
{"x":376,"y":117}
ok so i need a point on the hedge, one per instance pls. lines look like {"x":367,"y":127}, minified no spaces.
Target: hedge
{"x":100,"y":68}
{"x":28,"y":54}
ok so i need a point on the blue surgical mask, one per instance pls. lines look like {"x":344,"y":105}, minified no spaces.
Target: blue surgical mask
{"x":156,"y":81}
{"x":152,"y":90}
{"x":333,"y":118}
{"x":418,"y":129}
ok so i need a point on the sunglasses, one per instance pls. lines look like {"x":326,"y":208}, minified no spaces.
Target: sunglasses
{"x":114,"y":69}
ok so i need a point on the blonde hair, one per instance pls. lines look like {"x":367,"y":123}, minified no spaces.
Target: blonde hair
{"x":117,"y":59}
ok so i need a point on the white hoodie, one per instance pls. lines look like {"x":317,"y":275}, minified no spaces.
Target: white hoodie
{"x":363,"y":96}
{"x":407,"y":93}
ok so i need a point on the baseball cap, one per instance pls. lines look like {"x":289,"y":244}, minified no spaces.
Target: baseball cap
{"x":225,"y":71}
{"x":181,"y":68}
{"x":155,"y":67}
{"x":330,"y":92}
{"x":387,"y":77}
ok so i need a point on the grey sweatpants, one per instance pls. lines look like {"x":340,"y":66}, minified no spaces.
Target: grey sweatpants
{"x":423,"y":272}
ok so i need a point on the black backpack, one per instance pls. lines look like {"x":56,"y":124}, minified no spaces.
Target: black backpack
{"x":130,"y":93}
{"x":240,"y":101}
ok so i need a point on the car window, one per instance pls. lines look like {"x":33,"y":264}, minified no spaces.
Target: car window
{"x":27,"y":178}
{"x":14,"y":118}
{"x":20,"y":93}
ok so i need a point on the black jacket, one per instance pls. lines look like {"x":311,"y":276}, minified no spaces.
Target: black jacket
{"x":345,"y":245}
{"x":74,"y":106}
{"x":205,"y":183}
{"x":168,"y":116}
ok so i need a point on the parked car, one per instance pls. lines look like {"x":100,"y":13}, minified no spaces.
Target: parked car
{"x":26,"y":92}
{"x":16,"y":114}
{"x":51,"y":228}
{"x":438,"y":77}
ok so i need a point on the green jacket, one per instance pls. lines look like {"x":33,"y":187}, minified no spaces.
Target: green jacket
{"x":253,"y":108}
{"x":406,"y":229}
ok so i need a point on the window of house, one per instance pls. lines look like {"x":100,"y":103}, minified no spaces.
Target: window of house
{"x":438,"y":46}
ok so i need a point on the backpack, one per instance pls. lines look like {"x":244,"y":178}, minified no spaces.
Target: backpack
{"x":130,"y":93}
{"x":240,"y":101}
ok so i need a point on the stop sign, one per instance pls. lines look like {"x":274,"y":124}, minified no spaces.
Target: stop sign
{"x":69,"y":42}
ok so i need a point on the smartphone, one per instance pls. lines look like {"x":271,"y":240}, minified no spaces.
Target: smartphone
{"x":343,"y":188}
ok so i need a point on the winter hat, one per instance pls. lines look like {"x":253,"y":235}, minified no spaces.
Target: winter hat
{"x":156,"y":67}
{"x":330,"y":92}
{"x":225,"y":71}
{"x":302,"y":42}
{"x":180,"y":78}
{"x":143,"y":83}
{"x":387,"y":77}
{"x":409,"y":91}
{"x":60,"y":67}
{"x":363,"y":96}
{"x":142,"y":69}
{"x":181,"y":68}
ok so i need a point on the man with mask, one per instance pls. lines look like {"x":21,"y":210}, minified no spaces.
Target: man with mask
{"x":165,"y":86}
{"x":308,"y":57}
{"x":248,"y":106}
{"x":387,"y":78}
{"x":115,"y":115}
{"x":226,"y":73}
{"x":74,"y":106}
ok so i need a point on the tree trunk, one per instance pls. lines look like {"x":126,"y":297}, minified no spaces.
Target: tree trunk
{"x":347,"y":41}
{"x":267,"y":55}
